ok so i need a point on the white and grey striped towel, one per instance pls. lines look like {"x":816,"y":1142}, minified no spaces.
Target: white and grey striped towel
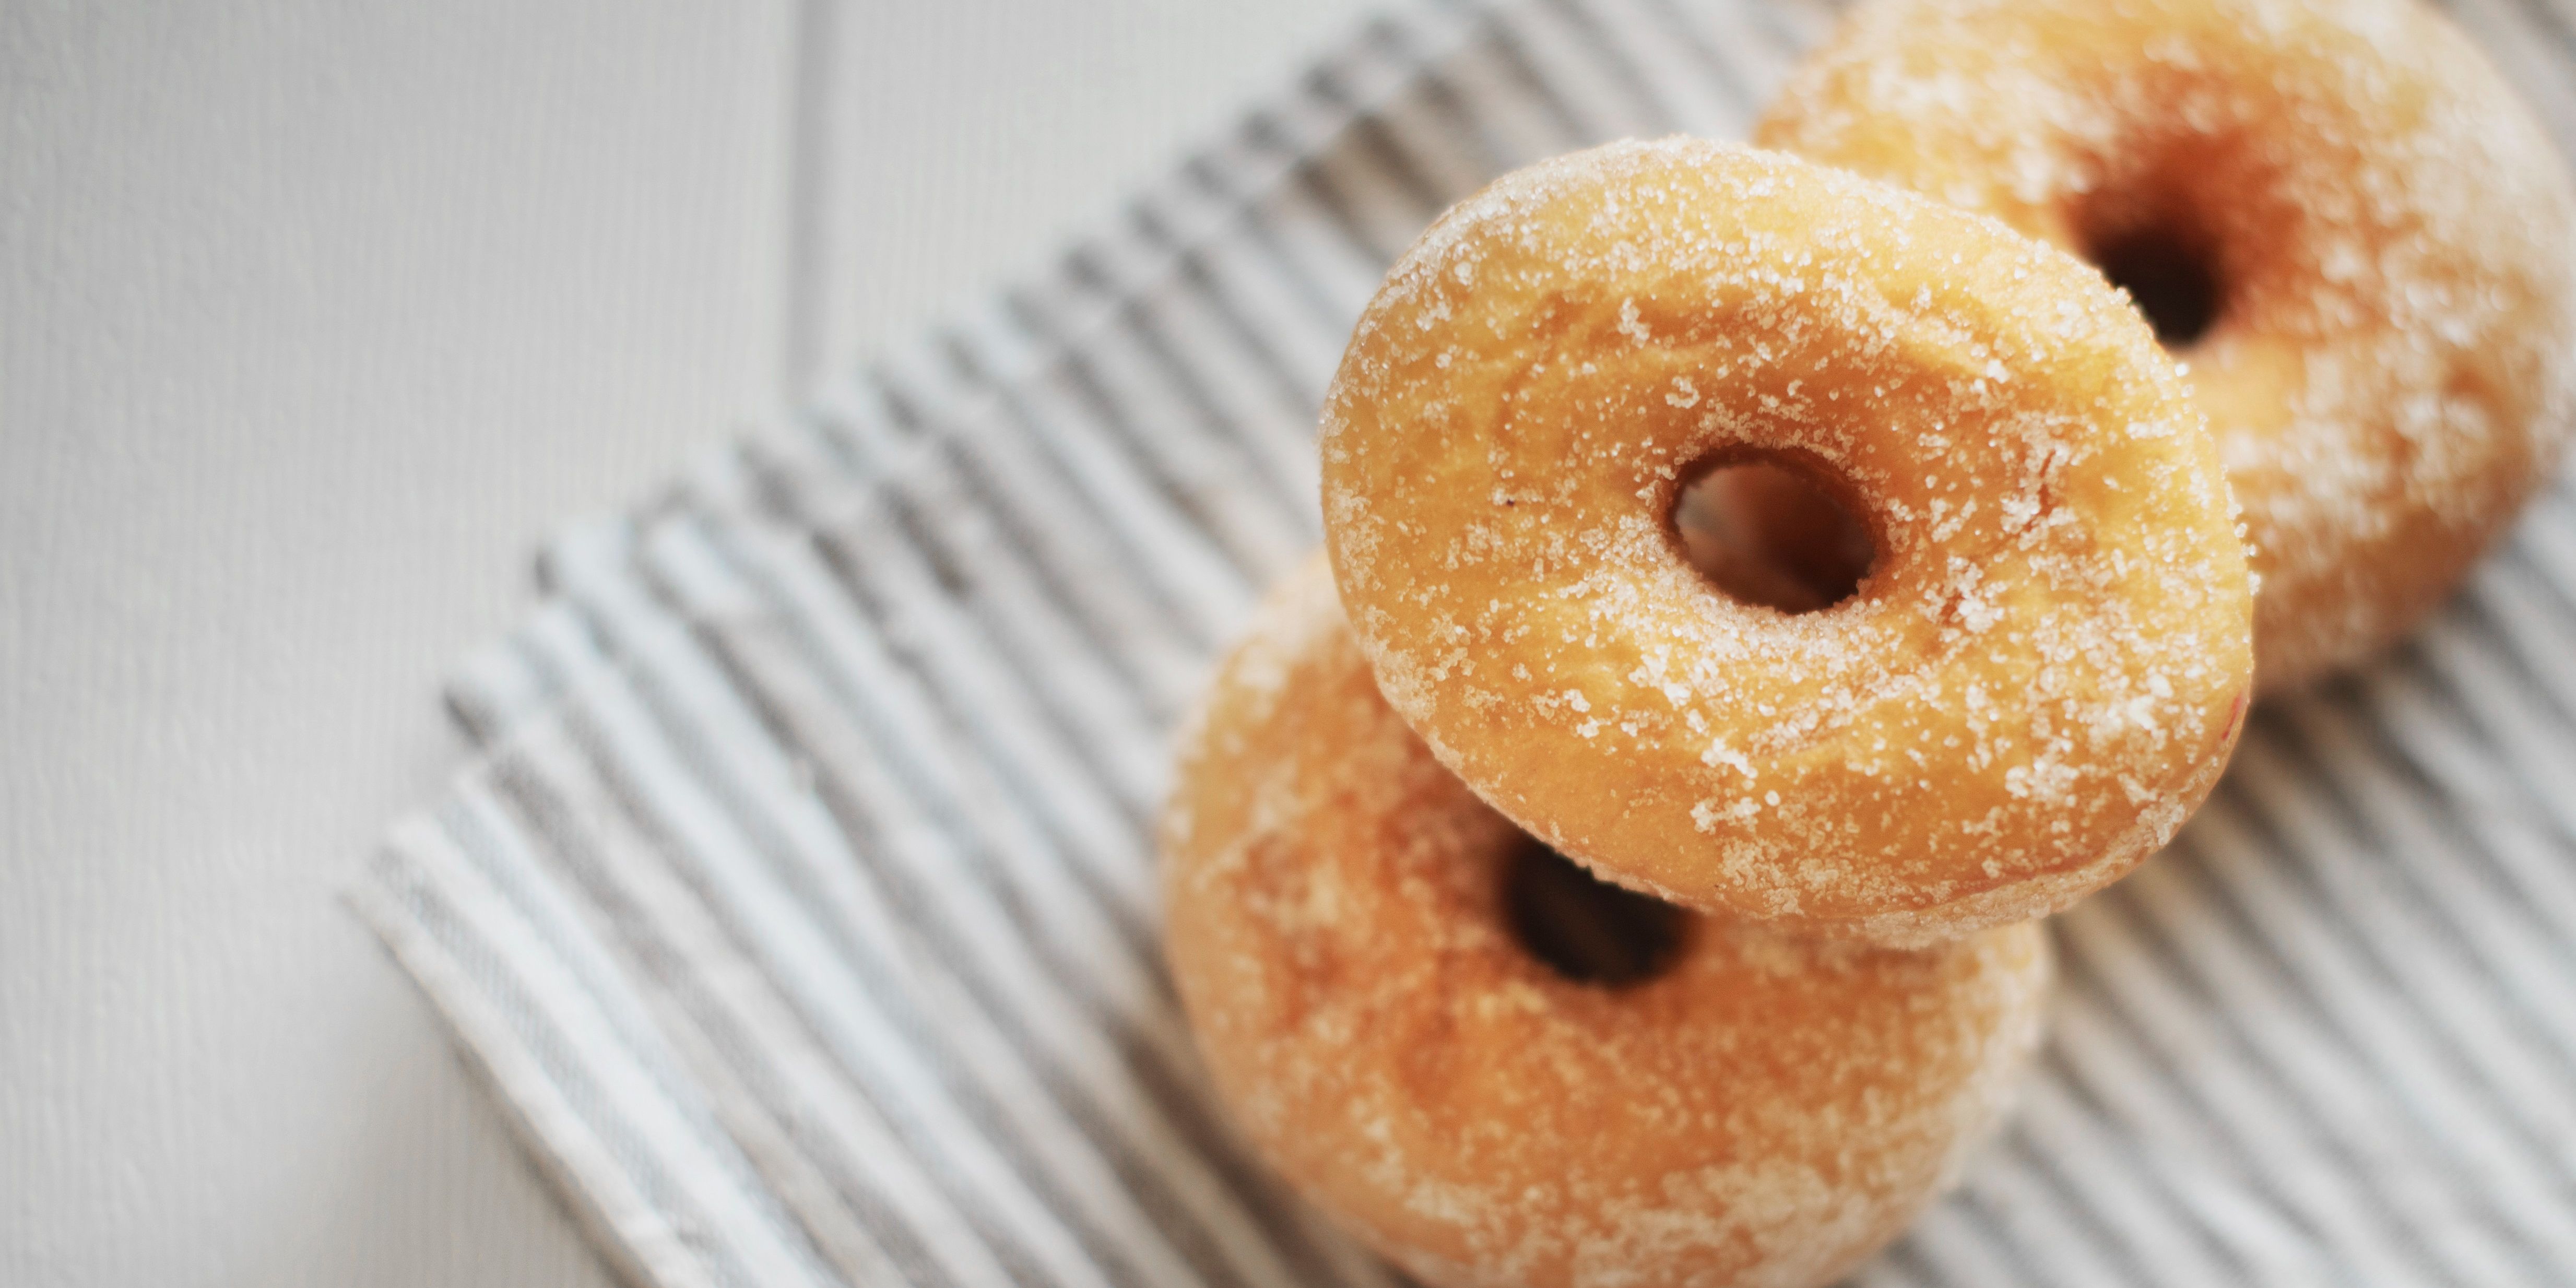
{"x":800,"y":904}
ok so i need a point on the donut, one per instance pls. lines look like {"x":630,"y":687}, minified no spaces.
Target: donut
{"x":2039,"y":677}
{"x":2344,"y":224}
{"x":1346,"y":925}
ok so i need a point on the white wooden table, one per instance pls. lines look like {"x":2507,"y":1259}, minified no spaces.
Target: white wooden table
{"x":313,"y":316}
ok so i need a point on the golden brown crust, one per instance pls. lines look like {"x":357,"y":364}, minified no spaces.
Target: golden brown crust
{"x":2389,"y":373}
{"x":2038,"y":680}
{"x":1766,"y":1112}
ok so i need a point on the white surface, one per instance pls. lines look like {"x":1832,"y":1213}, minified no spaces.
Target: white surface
{"x":312,"y":318}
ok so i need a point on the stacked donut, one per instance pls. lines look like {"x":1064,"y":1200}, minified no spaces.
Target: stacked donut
{"x":1754,"y":594}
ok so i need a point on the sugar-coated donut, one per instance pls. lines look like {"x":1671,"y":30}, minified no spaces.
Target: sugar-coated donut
{"x":2038,"y":680}
{"x":1764,"y":1111}
{"x":2373,"y":235}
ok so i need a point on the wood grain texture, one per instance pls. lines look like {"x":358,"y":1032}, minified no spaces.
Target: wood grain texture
{"x":312,"y":317}
{"x":939,"y":176}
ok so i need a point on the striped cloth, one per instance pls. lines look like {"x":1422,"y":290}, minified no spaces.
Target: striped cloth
{"x":800,"y":910}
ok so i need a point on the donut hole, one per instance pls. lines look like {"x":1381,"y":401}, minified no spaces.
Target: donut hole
{"x":1584,"y":928}
{"x":1770,"y":533}
{"x":2169,"y":274}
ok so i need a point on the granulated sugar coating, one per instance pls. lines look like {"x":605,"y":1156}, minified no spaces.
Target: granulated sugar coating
{"x":2386,"y":230}
{"x":1765,"y":1111}
{"x":2040,"y":677}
